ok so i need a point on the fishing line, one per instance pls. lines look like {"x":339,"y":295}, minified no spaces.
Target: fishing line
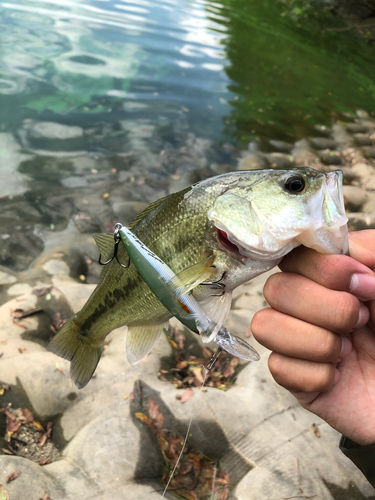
{"x":206,"y":367}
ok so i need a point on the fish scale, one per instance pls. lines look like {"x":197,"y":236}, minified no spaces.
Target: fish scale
{"x":286,"y":207}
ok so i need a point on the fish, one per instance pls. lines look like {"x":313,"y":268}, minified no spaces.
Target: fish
{"x":214,"y":235}
{"x":160,"y":278}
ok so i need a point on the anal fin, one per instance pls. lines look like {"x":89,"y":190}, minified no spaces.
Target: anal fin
{"x":141,"y":339}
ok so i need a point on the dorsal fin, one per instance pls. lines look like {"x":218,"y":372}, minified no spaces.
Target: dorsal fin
{"x":152,"y":207}
{"x":105,"y":243}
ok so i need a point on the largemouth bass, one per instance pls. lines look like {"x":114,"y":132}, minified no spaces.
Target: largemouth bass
{"x":225,"y":230}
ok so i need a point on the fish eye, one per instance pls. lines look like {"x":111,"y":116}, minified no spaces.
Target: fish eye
{"x":295,"y":184}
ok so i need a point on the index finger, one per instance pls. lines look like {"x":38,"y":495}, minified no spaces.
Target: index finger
{"x":339,"y":272}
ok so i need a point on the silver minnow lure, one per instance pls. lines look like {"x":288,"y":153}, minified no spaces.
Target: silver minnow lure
{"x":183,"y":306}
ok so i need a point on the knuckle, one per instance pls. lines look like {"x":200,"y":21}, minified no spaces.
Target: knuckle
{"x":324,"y":377}
{"x":346,"y":311}
{"x":328,"y":270}
{"x":329,"y":346}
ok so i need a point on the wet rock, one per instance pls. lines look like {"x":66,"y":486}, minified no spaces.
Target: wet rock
{"x":53,"y":130}
{"x":10,"y":156}
{"x":363,"y":139}
{"x":6,"y":278}
{"x":252,"y":162}
{"x":323,"y":129}
{"x":330,"y":157}
{"x":54,"y":136}
{"x":304,"y":154}
{"x":127,"y":211}
{"x":362,"y":114}
{"x":280,"y":160}
{"x":56,"y":267}
{"x":255,"y":146}
{"x":341,"y":136}
{"x":74,"y":182}
{"x":281,"y":146}
{"x":355,"y":198}
{"x":13,"y":184}
{"x":323,"y":143}
{"x":366,"y":174}
{"x":359,"y":221}
{"x":356,"y":128}
{"x":369,"y":152}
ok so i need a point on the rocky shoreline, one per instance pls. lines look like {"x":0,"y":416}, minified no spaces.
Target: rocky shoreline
{"x":260,"y":443}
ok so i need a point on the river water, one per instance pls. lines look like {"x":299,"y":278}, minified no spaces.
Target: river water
{"x":103,"y":101}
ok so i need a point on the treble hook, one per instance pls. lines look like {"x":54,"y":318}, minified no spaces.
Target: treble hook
{"x":117,"y":239}
{"x":218,"y":285}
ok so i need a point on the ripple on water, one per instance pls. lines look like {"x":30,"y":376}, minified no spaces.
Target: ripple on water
{"x":8,"y":87}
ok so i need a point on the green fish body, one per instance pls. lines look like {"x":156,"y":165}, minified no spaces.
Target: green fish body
{"x":230,"y":228}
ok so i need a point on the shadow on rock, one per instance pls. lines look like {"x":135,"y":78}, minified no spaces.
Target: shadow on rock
{"x":206,"y":464}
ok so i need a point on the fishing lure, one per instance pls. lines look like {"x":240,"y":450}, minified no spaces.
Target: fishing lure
{"x":158,"y":276}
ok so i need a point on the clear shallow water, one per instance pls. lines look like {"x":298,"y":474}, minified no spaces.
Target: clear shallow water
{"x":229,"y":68}
{"x":103,"y":102}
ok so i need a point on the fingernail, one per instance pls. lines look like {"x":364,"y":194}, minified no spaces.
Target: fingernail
{"x":346,"y":347}
{"x":363,"y":317}
{"x":363,"y":285}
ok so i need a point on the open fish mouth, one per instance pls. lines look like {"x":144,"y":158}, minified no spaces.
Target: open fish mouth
{"x":230,"y":244}
{"x":230,"y":247}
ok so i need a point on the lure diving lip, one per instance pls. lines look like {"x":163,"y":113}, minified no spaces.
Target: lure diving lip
{"x":158,"y":275}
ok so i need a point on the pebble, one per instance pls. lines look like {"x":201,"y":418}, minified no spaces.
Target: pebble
{"x":281,"y":146}
{"x":323,"y":143}
{"x":341,"y":136}
{"x":252,"y":162}
{"x":363,"y":139}
{"x":330,"y":157}
{"x":356,"y":128}
{"x":7,"y":279}
{"x":53,"y":130}
{"x":56,"y":267}
{"x":280,"y":160}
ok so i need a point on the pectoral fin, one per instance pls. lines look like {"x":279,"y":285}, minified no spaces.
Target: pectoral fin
{"x":192,"y":276}
{"x":141,"y":339}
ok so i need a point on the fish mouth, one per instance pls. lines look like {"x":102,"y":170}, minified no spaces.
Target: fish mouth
{"x":250,"y":254}
{"x":230,"y":247}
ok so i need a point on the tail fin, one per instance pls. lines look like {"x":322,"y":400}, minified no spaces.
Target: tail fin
{"x":84,"y":356}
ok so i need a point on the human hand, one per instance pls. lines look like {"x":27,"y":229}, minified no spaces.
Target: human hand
{"x":321,"y":329}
